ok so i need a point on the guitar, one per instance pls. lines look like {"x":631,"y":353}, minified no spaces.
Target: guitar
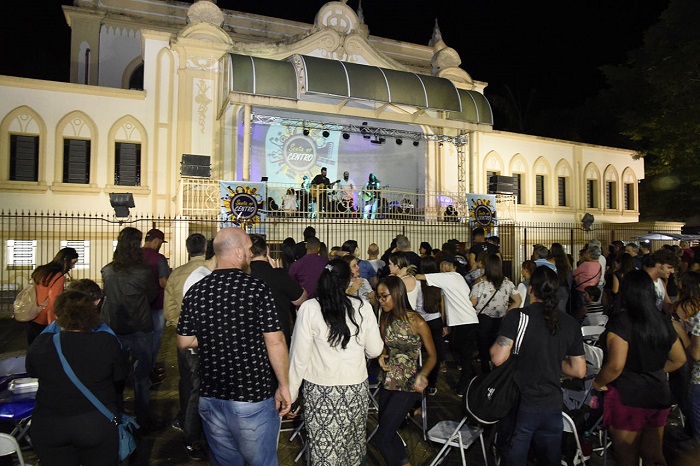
{"x":317,"y":189}
{"x":369,"y":194}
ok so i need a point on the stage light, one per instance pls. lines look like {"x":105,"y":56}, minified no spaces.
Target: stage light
{"x":346,"y":136}
{"x":415,"y":143}
{"x":326,"y":134}
{"x":121,"y":202}
{"x":364,"y":130}
{"x":399,"y":142}
{"x":305,"y":131}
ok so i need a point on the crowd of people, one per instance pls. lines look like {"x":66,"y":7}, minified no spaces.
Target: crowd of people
{"x":262,"y":338}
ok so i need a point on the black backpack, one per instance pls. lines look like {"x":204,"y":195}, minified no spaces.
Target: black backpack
{"x":490,"y":397}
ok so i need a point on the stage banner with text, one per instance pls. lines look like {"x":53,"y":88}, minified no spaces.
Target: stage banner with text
{"x":290,"y":155}
{"x":243,"y":205}
{"x":482,"y":212}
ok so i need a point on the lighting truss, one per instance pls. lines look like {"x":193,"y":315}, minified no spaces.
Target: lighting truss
{"x":364,"y":130}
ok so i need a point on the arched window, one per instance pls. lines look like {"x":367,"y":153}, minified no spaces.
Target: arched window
{"x":22,"y":157}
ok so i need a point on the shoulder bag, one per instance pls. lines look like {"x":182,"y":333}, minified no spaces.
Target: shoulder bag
{"x":491,"y":396}
{"x":125,"y":424}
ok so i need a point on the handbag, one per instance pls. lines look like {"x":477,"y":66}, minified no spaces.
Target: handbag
{"x":491,"y":396}
{"x":126,"y":425}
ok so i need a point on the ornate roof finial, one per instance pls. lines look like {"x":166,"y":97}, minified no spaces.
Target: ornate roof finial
{"x":437,"y":35}
{"x":205,"y":11}
{"x":360,"y":13}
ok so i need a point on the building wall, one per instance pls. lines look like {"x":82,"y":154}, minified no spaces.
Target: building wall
{"x":178,"y":113}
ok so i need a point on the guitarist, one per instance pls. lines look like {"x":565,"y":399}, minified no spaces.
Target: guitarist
{"x":370,"y":194}
{"x":319,"y":189}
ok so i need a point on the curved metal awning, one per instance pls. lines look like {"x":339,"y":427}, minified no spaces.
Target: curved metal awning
{"x":274,"y":78}
{"x":261,"y":76}
{"x":475,"y":108}
{"x":350,"y":80}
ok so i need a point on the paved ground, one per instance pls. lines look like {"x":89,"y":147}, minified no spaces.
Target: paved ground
{"x":165,"y":447}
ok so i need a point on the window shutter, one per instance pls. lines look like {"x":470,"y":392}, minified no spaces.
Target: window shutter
{"x":76,"y":161}
{"x":24,"y":158}
{"x":127,"y":170}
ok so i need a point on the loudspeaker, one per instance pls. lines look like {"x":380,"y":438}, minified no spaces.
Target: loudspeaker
{"x":499,"y":184}
{"x":195,"y":165}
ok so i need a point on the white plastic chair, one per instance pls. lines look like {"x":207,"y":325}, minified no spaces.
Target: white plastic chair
{"x":575,"y":399}
{"x":570,"y":427}
{"x":595,"y":319}
{"x":455,"y":434}
{"x":9,"y":446}
{"x":591,"y":333}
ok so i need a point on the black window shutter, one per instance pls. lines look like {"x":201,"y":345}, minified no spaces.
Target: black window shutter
{"x":76,"y":161}
{"x":24,"y":158}
{"x":127,"y":170}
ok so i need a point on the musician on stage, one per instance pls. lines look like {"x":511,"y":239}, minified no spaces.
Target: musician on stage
{"x":319,"y":189}
{"x":346,"y":194}
{"x":370,"y":194}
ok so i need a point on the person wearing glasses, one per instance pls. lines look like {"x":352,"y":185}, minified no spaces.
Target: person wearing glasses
{"x":404,"y":332}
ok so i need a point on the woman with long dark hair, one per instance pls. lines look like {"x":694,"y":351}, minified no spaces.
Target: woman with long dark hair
{"x":434,"y":315}
{"x":492,"y":298}
{"x":641,"y":347}
{"x":563,"y":265}
{"x":552,"y":344}
{"x":404,"y":332}
{"x":332,"y":336}
{"x":66,"y":428}
{"x":50,"y":280}
{"x":625,"y":265}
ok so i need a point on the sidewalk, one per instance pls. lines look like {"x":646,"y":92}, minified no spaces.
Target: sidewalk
{"x":166,"y":447}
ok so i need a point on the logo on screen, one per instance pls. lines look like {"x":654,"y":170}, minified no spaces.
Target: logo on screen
{"x":300,"y":152}
{"x":483,"y":215}
{"x":244,"y":206}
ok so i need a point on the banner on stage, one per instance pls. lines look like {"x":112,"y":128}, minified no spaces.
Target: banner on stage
{"x":243,"y":205}
{"x":482,"y":211}
{"x":290,"y":154}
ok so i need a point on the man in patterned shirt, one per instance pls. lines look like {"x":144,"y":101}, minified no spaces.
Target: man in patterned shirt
{"x":244,"y":365}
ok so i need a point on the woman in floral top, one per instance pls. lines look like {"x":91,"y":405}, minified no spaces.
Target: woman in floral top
{"x":404,"y":332}
{"x":686,"y":321}
{"x":492,"y":298}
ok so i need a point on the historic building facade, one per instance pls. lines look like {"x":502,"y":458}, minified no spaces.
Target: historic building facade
{"x":261,"y":97}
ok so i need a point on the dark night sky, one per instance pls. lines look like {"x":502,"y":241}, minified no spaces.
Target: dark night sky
{"x":555,"y":47}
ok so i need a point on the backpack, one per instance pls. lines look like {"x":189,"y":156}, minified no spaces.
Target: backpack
{"x":26,"y":307}
{"x":490,"y":397}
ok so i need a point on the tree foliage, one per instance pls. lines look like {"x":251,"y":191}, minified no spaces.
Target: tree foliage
{"x":656,"y":99}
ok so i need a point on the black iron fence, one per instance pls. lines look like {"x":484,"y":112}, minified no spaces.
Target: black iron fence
{"x":32,"y":238}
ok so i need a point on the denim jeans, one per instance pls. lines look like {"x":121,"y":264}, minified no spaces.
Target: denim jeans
{"x":139,"y":345}
{"x":188,"y":387}
{"x":393,"y":408}
{"x":694,"y":397}
{"x":158,"y":327}
{"x":543,"y":427}
{"x":238,"y":432}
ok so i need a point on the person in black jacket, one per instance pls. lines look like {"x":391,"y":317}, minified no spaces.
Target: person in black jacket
{"x":129,"y":289}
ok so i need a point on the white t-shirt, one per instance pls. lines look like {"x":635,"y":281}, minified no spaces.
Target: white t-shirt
{"x":376,"y":263}
{"x":312,"y":358}
{"x":603,"y":263}
{"x":660,"y":291}
{"x":458,"y":308}
{"x":196,"y":275}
